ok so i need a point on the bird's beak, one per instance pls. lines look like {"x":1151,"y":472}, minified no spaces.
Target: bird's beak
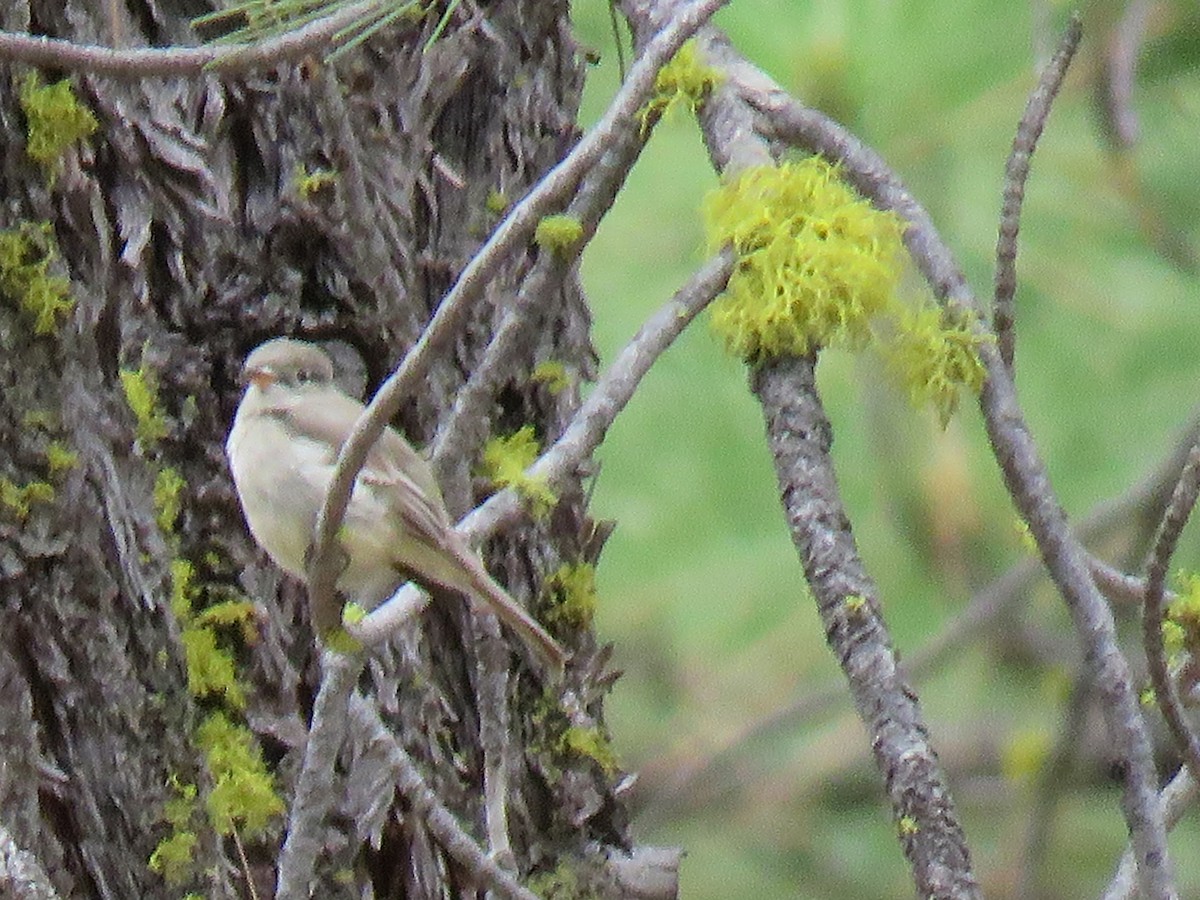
{"x":261,"y":377}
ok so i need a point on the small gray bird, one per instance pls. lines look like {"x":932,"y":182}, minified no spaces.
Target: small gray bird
{"x":285,"y":440}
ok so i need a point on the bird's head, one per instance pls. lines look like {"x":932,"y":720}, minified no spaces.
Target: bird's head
{"x":288,"y":363}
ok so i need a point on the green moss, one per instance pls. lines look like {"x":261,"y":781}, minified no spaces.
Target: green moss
{"x":685,"y":80}
{"x":572,"y":590}
{"x":563,"y":883}
{"x":816,"y":261}
{"x":505,"y":460}
{"x":553,"y":374}
{"x":174,"y":857}
{"x":54,"y":119}
{"x":243,"y":793}
{"x":183,"y":575}
{"x":19,"y":499}
{"x":341,"y":641}
{"x":141,"y":393}
{"x":907,"y":826}
{"x":60,"y":458}
{"x":856,"y":605}
{"x":168,"y":497}
{"x":936,"y":357}
{"x":26,"y":255}
{"x":496,"y":202}
{"x":211,"y":669}
{"x":238,"y":613}
{"x":591,"y":743}
{"x":558,"y":233}
{"x":307,"y":183}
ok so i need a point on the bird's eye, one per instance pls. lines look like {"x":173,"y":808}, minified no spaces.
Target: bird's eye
{"x":304,"y":376}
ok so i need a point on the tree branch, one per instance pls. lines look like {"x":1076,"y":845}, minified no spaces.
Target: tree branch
{"x":582,"y":436}
{"x":1182,"y":501}
{"x":516,"y":228}
{"x":1016,"y":172}
{"x":147,"y":62}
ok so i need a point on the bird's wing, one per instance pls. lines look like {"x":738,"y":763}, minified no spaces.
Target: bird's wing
{"x":393,"y":467}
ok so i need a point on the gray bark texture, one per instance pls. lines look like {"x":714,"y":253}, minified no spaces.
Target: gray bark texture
{"x":187,"y":241}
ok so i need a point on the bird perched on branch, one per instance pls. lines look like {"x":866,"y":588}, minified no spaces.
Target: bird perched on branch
{"x":290,"y":426}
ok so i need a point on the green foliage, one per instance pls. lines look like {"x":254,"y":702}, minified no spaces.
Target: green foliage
{"x":243,"y":793}
{"x":168,"y":493}
{"x":26,"y":254}
{"x":505,"y":460}
{"x":558,"y":233}
{"x":685,"y":80}
{"x":935,"y":356}
{"x":572,"y":590}
{"x":141,"y":393}
{"x":55,"y":120}
{"x":816,"y":261}
{"x":19,"y":498}
{"x":562,"y":883}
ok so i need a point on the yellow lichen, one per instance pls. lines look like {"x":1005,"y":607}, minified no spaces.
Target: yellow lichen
{"x":685,"y":80}
{"x":19,"y":498}
{"x":591,"y":743}
{"x":815,"y":261}
{"x":55,"y":120}
{"x":60,"y":458}
{"x":168,"y":497}
{"x":27,"y":252}
{"x":936,"y":357}
{"x":558,"y":233}
{"x":307,"y":183}
{"x":572,"y":590}
{"x":553,"y":374}
{"x":505,"y":460}
{"x":141,"y":393}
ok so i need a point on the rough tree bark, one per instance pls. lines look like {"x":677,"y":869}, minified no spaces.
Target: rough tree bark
{"x":187,"y":239}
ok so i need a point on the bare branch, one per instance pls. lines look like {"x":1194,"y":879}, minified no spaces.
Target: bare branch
{"x":517,"y":226}
{"x":423,"y":802}
{"x":462,"y":428}
{"x":799,"y":435}
{"x":147,"y":62}
{"x":1166,"y":695}
{"x":1024,"y":471}
{"x":1120,"y":73}
{"x":1016,"y":172}
{"x":313,"y":797}
{"x":1177,"y":796}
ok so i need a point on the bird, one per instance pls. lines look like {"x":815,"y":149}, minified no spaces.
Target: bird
{"x":288,"y":430}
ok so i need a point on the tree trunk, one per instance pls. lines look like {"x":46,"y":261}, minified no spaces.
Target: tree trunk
{"x":332,"y":202}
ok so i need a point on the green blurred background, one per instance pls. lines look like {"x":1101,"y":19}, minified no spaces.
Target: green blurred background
{"x":702,"y":592}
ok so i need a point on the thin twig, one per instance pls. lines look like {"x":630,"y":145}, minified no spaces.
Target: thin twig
{"x":146,"y":62}
{"x":1177,"y":796}
{"x":313,"y":797}
{"x":516,"y":228}
{"x":1120,"y":73}
{"x":1024,"y":471}
{"x":460,"y":432}
{"x":582,"y":436}
{"x":425,"y":804}
{"x":1182,"y":501}
{"x":1016,"y":172}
